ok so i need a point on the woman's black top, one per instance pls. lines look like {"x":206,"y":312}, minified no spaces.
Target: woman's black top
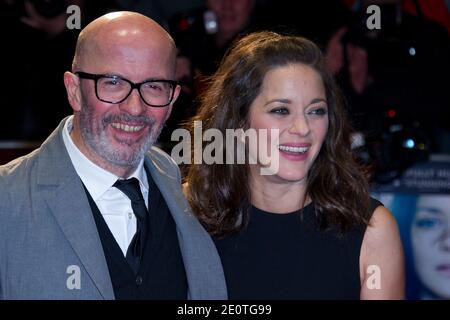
{"x":286,"y":256}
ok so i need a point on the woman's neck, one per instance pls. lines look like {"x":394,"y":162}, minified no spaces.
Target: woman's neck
{"x":270,"y":194}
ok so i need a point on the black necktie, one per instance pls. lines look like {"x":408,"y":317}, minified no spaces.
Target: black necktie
{"x":135,"y":251}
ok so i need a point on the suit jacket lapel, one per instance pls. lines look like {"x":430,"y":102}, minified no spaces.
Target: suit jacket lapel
{"x":64,"y":194}
{"x":202,"y":263}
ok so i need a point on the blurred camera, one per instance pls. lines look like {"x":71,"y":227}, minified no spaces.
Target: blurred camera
{"x":401,"y":144}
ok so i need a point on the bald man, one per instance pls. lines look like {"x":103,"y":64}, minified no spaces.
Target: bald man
{"x":97,"y":212}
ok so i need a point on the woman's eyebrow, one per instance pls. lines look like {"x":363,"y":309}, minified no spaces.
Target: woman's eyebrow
{"x":288,"y":101}
{"x":430,"y":209}
{"x":317,"y":100}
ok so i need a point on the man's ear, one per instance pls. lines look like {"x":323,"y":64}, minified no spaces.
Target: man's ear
{"x":175,"y":97}
{"x":72,"y":83}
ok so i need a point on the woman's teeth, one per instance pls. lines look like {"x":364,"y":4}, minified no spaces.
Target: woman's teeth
{"x":293,"y":149}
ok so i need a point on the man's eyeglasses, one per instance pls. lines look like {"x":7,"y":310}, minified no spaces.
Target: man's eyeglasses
{"x":115,"y":89}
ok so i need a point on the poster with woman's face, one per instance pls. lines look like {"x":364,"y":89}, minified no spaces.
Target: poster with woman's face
{"x":430,"y":243}
{"x":424,"y":223}
{"x":420,"y":202}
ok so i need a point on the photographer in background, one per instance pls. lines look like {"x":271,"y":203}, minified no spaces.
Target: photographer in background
{"x":38,"y":51}
{"x":395,"y":82}
{"x":202,"y":36}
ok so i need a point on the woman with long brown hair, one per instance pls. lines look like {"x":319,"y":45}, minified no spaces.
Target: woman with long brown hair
{"x":309,"y":229}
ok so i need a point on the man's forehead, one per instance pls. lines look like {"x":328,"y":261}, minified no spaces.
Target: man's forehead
{"x":125,"y":39}
{"x":128,"y":33}
{"x":135,"y":62}
{"x":129,"y":50}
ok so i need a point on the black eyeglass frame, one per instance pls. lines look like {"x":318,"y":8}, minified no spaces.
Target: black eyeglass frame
{"x":133,"y":85}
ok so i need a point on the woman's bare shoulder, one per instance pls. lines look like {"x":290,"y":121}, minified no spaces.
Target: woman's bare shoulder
{"x":382,"y":255}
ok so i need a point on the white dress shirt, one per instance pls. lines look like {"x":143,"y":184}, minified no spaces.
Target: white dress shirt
{"x":114,"y":205}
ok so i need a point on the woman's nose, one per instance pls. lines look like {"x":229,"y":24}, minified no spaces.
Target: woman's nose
{"x":300,"y":126}
{"x":444,"y":240}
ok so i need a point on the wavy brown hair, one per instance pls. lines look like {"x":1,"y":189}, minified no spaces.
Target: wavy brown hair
{"x":219,"y":193}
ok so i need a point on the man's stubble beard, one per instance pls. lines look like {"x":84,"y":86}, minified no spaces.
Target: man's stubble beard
{"x":99,"y":143}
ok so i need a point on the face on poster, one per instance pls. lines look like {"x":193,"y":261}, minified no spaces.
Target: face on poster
{"x":424,"y":223}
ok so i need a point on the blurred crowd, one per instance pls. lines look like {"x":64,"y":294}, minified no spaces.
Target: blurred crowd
{"x":394,"y":79}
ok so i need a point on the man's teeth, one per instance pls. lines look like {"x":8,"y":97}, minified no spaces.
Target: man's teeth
{"x":126,"y":127}
{"x":293,"y":149}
